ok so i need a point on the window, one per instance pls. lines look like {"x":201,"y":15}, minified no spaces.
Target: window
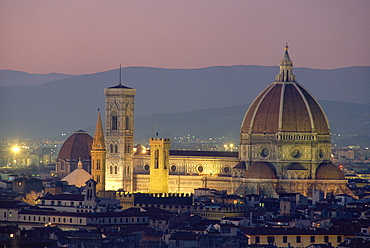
{"x":156,"y":159}
{"x":115,"y":169}
{"x":70,"y":220}
{"x":127,"y":121}
{"x":114,"y":122}
{"x":270,"y":239}
{"x":111,"y":148}
{"x":298,"y":239}
{"x":80,"y":220}
{"x":98,"y":164}
{"x":111,"y":169}
{"x":257,"y":239}
{"x":285,"y":239}
{"x":312,"y":239}
{"x":339,"y":239}
{"x":326,"y":239}
{"x":115,"y":148}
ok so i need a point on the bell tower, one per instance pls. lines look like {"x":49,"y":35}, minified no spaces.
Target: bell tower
{"x":119,"y":130}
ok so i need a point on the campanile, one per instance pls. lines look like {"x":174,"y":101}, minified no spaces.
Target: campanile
{"x":119,"y":130}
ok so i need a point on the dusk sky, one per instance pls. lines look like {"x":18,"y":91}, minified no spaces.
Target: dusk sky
{"x":79,"y":37}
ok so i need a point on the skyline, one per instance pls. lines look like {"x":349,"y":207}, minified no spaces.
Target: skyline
{"x":80,"y":37}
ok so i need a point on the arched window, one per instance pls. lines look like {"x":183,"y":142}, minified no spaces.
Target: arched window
{"x":115,"y":169}
{"x":111,"y":148}
{"x":111,"y":169}
{"x":127,"y":122}
{"x":114,"y":121}
{"x":115,"y":148}
{"x":98,"y":164}
{"x":165,"y":159}
{"x":156,"y":159}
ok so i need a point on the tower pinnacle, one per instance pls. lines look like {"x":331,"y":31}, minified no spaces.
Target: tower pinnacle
{"x":286,"y":68}
{"x":98,"y":141}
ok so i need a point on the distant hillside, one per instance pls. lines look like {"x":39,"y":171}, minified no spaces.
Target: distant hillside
{"x":17,"y":78}
{"x":70,"y":104}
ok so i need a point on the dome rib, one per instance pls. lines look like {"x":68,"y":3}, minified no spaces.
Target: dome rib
{"x":250,"y":114}
{"x":295,"y":113}
{"x":300,"y":90}
{"x":321,"y":123}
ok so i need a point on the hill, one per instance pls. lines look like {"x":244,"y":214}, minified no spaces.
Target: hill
{"x":71,"y":103}
{"x":17,"y":78}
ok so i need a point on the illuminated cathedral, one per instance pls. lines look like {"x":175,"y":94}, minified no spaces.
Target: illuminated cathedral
{"x":285,"y":147}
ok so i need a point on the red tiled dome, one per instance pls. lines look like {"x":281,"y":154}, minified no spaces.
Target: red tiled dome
{"x":285,"y":106}
{"x":76,"y":146}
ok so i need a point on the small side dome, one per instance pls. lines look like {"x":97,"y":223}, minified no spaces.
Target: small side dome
{"x":261,"y":170}
{"x":328,"y":171}
{"x":78,"y":145}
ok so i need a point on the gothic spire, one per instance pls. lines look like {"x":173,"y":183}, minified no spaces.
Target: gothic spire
{"x":98,"y":141}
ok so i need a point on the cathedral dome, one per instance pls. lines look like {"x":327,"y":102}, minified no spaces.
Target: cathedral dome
{"x":285,"y":106}
{"x":328,"y":171}
{"x":76,"y":146}
{"x":261,"y":170}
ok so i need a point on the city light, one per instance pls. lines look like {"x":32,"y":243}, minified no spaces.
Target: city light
{"x":16,"y":149}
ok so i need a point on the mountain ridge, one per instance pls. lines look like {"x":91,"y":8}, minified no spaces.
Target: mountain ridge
{"x":67,"y":104}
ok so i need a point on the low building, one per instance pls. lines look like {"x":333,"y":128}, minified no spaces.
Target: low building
{"x":294,"y":237}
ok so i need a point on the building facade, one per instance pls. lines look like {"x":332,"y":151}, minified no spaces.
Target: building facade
{"x":285,"y":147}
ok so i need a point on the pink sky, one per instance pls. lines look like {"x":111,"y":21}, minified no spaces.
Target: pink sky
{"x":78,"y":37}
